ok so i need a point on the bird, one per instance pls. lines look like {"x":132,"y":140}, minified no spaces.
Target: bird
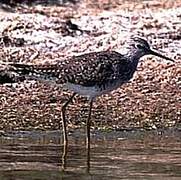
{"x":91,"y":74}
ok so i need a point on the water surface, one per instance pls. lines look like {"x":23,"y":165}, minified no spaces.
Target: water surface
{"x":134,"y":154}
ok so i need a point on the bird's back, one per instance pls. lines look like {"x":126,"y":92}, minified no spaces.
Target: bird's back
{"x":87,"y":70}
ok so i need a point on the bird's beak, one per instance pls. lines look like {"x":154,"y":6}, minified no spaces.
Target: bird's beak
{"x":159,"y":55}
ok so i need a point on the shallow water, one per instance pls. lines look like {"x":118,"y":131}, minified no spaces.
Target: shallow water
{"x":134,"y":154}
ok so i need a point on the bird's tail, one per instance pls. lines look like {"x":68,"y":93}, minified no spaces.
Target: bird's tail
{"x":28,"y":72}
{"x":8,"y":75}
{"x":25,"y":69}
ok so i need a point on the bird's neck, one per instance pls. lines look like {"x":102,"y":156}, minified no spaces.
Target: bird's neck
{"x":133,"y":57}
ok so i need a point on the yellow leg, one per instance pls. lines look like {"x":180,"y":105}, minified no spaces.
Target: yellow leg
{"x":88,"y":124}
{"x":64,"y":157}
{"x":65,"y":139}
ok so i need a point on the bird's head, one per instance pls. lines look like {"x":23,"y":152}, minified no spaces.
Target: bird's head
{"x":141,"y":47}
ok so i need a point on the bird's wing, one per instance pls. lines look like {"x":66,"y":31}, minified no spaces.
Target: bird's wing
{"x":88,"y":69}
{"x":94,"y":68}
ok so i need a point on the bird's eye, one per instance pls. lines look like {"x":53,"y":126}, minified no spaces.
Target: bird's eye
{"x":139,"y":46}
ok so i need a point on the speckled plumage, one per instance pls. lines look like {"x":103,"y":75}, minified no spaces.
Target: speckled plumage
{"x":95,"y":73}
{"x":101,"y":70}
